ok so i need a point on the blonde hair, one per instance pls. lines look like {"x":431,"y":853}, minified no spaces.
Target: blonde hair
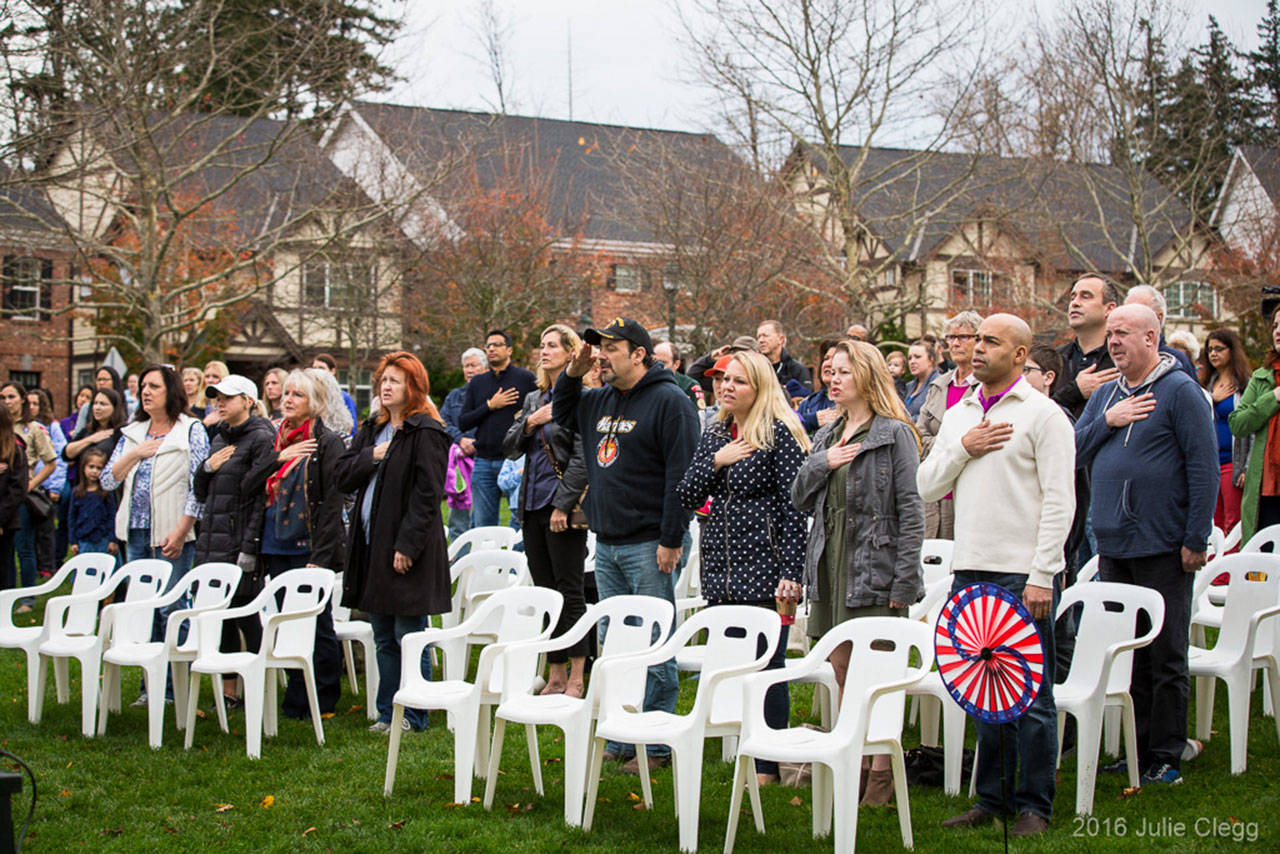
{"x":200,"y":399}
{"x":874,"y":383}
{"x":569,"y":340}
{"x":770,"y":405}
{"x":323,"y":396}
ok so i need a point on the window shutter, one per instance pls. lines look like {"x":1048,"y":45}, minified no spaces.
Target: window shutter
{"x":7,"y":302}
{"x":46,"y":289}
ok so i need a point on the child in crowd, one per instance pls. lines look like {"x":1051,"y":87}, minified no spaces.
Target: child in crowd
{"x":91,"y":516}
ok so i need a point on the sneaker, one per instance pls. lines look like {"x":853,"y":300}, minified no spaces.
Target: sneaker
{"x":1165,"y":774}
{"x":633,"y":767}
{"x":140,"y":703}
{"x":1192,"y":749}
{"x":1118,"y":767}
{"x":380,"y":726}
{"x":404,"y":725}
{"x":24,"y":609}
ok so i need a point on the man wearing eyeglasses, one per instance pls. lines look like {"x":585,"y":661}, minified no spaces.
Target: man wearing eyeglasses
{"x":944,"y":392}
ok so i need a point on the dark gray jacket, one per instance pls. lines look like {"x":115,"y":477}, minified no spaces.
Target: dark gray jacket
{"x":232,"y":508}
{"x":565,"y":446}
{"x":885,"y":514}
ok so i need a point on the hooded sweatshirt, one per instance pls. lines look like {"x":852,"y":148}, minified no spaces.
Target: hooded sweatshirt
{"x":1154,"y":481}
{"x":637,"y":446}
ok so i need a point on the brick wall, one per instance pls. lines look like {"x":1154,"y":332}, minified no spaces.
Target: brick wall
{"x":32,"y":346}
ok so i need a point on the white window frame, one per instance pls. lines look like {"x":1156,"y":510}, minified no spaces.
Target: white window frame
{"x":27,"y":278}
{"x":984,"y":278}
{"x":330,"y":268}
{"x":1183,"y":294}
{"x":633,"y":273}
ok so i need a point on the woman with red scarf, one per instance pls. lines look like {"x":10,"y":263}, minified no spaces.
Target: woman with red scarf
{"x":397,"y":567}
{"x":301,"y":519}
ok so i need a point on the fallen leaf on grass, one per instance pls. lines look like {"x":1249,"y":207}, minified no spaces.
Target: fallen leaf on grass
{"x":638,"y":807}
{"x":69,"y":764}
{"x":171,"y":830}
{"x":267,"y":802}
{"x":552,"y":760}
{"x":450,"y":806}
{"x":354,"y":709}
{"x":224,"y":807}
{"x":474,"y":799}
{"x":602,"y":800}
{"x":513,"y":808}
{"x":65,"y":793}
{"x":632,"y":796}
{"x":308,"y":831}
{"x":324,"y":716}
{"x":1130,"y":791}
{"x":112,"y":831}
{"x":396,"y":825}
{"x":444,"y":776}
{"x":796,"y":802}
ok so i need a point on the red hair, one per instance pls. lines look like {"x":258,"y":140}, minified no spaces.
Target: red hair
{"x":417,"y":385}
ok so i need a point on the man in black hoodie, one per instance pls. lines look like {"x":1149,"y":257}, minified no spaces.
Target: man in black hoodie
{"x":638,"y":436}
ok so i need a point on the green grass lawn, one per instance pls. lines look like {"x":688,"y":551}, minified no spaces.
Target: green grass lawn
{"x":116,"y":794}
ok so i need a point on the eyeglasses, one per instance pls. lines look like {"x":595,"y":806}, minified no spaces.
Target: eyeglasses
{"x":1218,"y":349}
{"x":959,"y":337}
{"x":1029,"y":368}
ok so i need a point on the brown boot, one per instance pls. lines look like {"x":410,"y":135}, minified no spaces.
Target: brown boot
{"x":879,"y":790}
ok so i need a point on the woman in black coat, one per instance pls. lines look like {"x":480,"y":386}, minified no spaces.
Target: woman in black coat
{"x":555,"y":476}
{"x":232,"y":511}
{"x":13,"y":492}
{"x":299,"y":517}
{"x":398,"y":566}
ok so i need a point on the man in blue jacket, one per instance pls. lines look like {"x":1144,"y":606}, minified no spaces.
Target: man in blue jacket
{"x":638,"y":434}
{"x":1149,"y":439}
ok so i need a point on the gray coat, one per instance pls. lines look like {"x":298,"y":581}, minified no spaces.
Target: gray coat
{"x":885,"y":514}
{"x":566,"y":447}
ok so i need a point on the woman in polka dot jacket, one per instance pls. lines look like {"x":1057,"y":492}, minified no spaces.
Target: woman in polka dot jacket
{"x":753,"y":537}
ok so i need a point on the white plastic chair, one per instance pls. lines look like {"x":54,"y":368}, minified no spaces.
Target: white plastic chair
{"x":477,"y":576}
{"x":741,"y":639}
{"x":870,"y":722}
{"x":65,"y":638}
{"x":288,"y":641}
{"x":1268,"y":536}
{"x":635,"y":624}
{"x":1100,"y":672}
{"x":522,"y":614}
{"x":126,"y":634}
{"x":1232,"y":538}
{"x":484,"y":538}
{"x":90,"y":572}
{"x":935,"y":559}
{"x":350,"y":632}
{"x":1253,"y":601}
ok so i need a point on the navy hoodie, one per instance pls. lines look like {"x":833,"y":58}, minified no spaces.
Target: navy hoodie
{"x":637,"y":446}
{"x":1155,"y":481}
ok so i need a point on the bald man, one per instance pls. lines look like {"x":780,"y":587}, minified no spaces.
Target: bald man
{"x":1154,"y":300}
{"x":1148,"y":440}
{"x":1008,"y":453}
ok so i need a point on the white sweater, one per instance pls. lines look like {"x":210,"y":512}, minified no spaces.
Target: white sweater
{"x":1013,"y":506}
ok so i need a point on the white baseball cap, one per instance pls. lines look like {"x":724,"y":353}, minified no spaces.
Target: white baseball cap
{"x":232,"y":385}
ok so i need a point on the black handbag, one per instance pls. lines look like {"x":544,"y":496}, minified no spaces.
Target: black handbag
{"x":39,"y":505}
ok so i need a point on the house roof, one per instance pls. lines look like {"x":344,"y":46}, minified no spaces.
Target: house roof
{"x":1265,"y":164}
{"x":27,"y":217}
{"x":586,"y":164}
{"x":256,"y":176}
{"x":1071,"y":215}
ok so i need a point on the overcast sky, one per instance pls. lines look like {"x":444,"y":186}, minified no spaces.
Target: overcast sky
{"x":628,"y":65}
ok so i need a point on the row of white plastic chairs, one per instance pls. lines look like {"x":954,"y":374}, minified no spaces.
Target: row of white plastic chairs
{"x":1096,"y":688}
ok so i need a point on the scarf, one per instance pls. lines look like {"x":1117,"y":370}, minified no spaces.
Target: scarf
{"x":1271,"y":463}
{"x":283,"y":440}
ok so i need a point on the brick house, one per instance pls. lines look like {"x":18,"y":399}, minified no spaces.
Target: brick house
{"x":37,"y":264}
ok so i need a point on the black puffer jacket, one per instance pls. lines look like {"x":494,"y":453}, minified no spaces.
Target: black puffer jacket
{"x":13,"y":487}
{"x":232,"y":513}
{"x":753,"y":535}
{"x":325,"y":498}
{"x":405,"y":518}
{"x":565,"y":446}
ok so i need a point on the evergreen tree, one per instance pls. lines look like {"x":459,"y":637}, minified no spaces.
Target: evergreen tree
{"x":1264,"y":66}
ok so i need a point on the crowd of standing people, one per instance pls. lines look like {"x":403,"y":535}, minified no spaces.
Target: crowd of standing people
{"x":817,"y":485}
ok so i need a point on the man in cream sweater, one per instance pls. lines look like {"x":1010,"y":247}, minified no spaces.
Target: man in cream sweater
{"x":1008,"y":453}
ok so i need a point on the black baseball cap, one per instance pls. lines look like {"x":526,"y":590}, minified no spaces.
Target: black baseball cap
{"x":621,"y":329}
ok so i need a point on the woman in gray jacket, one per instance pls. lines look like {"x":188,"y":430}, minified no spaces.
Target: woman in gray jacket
{"x":863,"y":555}
{"x":555,"y":477}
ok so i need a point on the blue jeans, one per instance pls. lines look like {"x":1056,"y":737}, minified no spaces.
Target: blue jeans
{"x":388,"y":631}
{"x":140,"y":548}
{"x":1031,"y":741}
{"x":25,"y":548}
{"x":633,"y":569}
{"x":92,"y":547}
{"x":486,"y":497}
{"x":459,"y":522}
